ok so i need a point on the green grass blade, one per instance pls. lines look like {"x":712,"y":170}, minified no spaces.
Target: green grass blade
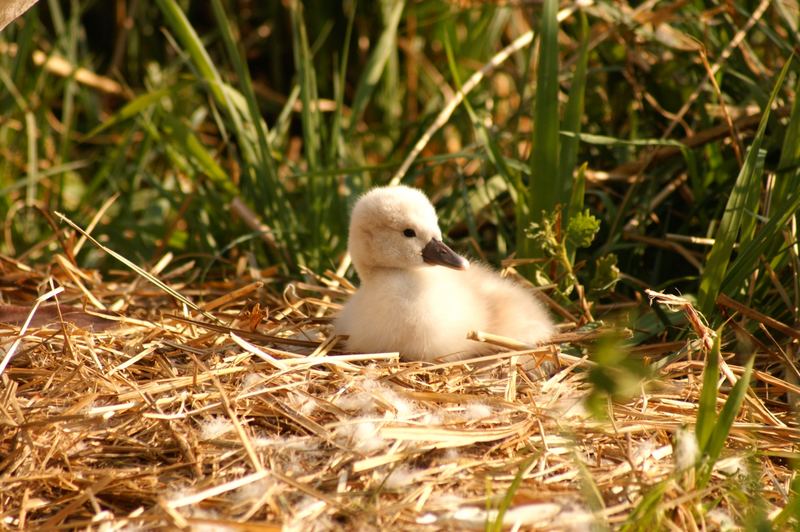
{"x":44,"y":174}
{"x":792,"y":508}
{"x":648,"y":510}
{"x":340,"y":82}
{"x":544,"y":187}
{"x":573,"y":114}
{"x":605,"y":140}
{"x":225,"y":96}
{"x":189,"y":39}
{"x":32,"y":163}
{"x":187,"y":143}
{"x":578,"y":192}
{"x":493,"y":152}
{"x":135,"y":107}
{"x":748,"y":256}
{"x":751,"y":201}
{"x":747,"y":184}
{"x":707,"y":405}
{"x":57,"y":16}
{"x":727,"y":416}
{"x":592,"y":494}
{"x":316,"y":197}
{"x":259,"y":182}
{"x":508,"y":498}
{"x":788,"y":181}
{"x":70,"y":90}
{"x":246,"y":87}
{"x":308,"y":88}
{"x":375,"y":65}
{"x":790,"y":151}
{"x":389,"y":101}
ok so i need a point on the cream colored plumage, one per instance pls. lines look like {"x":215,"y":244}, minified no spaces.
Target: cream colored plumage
{"x":417,"y":296}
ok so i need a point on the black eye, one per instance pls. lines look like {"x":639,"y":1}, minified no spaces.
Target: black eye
{"x":409,"y":233}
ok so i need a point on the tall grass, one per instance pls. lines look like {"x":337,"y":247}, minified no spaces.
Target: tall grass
{"x":544,"y":187}
{"x":738,"y":222}
{"x":295,"y":109}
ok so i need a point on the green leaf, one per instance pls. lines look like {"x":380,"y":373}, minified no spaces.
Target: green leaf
{"x":576,"y":205}
{"x":749,"y":254}
{"x":715,"y":441}
{"x":707,"y":405}
{"x":375,"y":64}
{"x":727,"y":415}
{"x":616,"y":373}
{"x":792,"y":508}
{"x":544,"y":235}
{"x":648,"y":509}
{"x":578,"y":192}
{"x":308,"y":88}
{"x":544,"y":186}
{"x":747,"y":184}
{"x":573,"y":114}
{"x":135,"y":107}
{"x":505,"y":504}
{"x":253,"y":113}
{"x":187,"y":143}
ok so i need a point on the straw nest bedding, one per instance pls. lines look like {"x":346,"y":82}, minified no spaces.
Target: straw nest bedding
{"x":123,"y":409}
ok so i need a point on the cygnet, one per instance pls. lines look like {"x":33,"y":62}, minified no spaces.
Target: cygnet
{"x":417,"y":296}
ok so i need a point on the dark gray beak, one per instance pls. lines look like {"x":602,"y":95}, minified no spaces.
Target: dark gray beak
{"x":437,"y":252}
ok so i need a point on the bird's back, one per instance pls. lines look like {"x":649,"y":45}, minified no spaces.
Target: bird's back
{"x":426,"y":313}
{"x":513,"y":310}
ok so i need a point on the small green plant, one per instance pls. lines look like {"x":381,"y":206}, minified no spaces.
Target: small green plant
{"x":712,"y":429}
{"x":615,"y":376}
{"x":559,"y":249}
{"x":552,"y":162}
{"x":648,"y":512}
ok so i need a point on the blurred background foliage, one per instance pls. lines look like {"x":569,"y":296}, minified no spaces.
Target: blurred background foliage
{"x":235,"y":130}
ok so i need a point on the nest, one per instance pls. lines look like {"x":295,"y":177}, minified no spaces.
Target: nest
{"x":136,"y":411}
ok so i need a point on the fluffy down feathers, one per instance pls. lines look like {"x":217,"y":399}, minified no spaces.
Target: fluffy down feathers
{"x":417,"y":296}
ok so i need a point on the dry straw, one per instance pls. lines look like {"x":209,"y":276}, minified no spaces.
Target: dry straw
{"x":155,"y":416}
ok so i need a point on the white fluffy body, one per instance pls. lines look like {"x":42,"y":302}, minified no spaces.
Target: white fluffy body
{"x":420,"y":310}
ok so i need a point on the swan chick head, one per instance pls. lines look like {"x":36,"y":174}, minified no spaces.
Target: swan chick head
{"x":397,"y":227}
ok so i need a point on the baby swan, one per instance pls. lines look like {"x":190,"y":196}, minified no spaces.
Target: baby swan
{"x":408,"y":302}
